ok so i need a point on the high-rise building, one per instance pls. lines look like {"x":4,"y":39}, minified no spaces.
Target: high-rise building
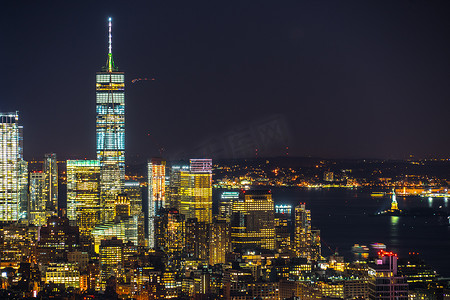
{"x":57,"y":239}
{"x":252,"y":221}
{"x":13,"y":169}
{"x":197,"y":240}
{"x":110,"y":128}
{"x":282,"y":228}
{"x":302,"y":233}
{"x":156,"y":194}
{"x":384,"y":282}
{"x":83,"y":194}
{"x":37,"y":204}
{"x":111,"y":260}
{"x":219,"y":241}
{"x":133,"y":190}
{"x":51,"y":183}
{"x":173,"y":196}
{"x":170,"y":232}
{"x":196,"y":191}
{"x":226,"y":203}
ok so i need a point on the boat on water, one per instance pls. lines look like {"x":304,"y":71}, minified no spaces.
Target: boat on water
{"x":378,"y":246}
{"x":357,"y":248}
{"x":378,"y":194}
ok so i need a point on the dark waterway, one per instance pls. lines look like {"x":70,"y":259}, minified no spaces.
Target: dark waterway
{"x":344,"y":217}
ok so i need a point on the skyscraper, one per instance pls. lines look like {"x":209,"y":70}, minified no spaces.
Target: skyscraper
{"x":13,"y":169}
{"x":252,"y":221}
{"x":51,"y":183}
{"x":37,"y":203}
{"x":384,"y":282}
{"x":302,"y":234}
{"x":156,"y":194}
{"x":196,"y":191}
{"x":110,"y":86}
{"x":83,"y":194}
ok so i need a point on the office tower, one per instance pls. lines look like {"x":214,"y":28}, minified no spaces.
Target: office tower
{"x":37,"y":203}
{"x":302,"y":233}
{"x":197,"y":240}
{"x":219,"y":241}
{"x":226,"y":203}
{"x":252,"y":221}
{"x":316,"y":245}
{"x":196,"y":190}
{"x":156,"y":194}
{"x":110,"y":128}
{"x":111,"y":260}
{"x":282,"y":221}
{"x":173,"y":196}
{"x":83,"y":194}
{"x":57,"y":239}
{"x":51,"y":183}
{"x":418,"y":274}
{"x":170,"y":232}
{"x":133,"y":190}
{"x":13,"y":169}
{"x":384,"y":282}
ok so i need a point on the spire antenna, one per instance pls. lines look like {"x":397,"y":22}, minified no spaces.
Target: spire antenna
{"x":110,"y":36}
{"x":110,"y":62}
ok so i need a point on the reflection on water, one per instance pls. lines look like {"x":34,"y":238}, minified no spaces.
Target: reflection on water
{"x":430,"y":202}
{"x":445,"y":202}
{"x":394,"y":230}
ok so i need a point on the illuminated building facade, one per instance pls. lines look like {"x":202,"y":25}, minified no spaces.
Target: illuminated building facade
{"x":384,"y":282}
{"x":110,"y":129}
{"x":252,"y":223}
{"x":128,"y":229}
{"x":282,"y":220}
{"x":13,"y":169}
{"x":226,"y":203}
{"x":57,"y":239}
{"x":170,"y":232}
{"x":51,"y":183}
{"x":37,"y":203}
{"x":302,"y":234}
{"x":219,"y":241}
{"x":111,"y":260}
{"x":63,"y":273}
{"x":196,"y":191}
{"x":316,"y":245}
{"x":133,"y":190}
{"x":83,"y":194}
{"x":156,"y":194}
{"x":17,"y":244}
{"x":197,"y":240}
{"x":122,"y":206}
{"x":173,"y":192}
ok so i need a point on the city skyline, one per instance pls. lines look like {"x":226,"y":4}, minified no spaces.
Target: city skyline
{"x":337,"y":79}
{"x":105,"y":226}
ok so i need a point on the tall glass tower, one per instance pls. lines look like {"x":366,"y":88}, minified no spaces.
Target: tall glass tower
{"x":110,"y":125}
{"x":51,"y":183}
{"x":13,"y":169}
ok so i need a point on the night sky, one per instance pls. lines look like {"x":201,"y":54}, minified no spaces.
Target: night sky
{"x":337,"y":79}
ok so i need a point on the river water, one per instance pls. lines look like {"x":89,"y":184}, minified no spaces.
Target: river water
{"x":344,"y":217}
